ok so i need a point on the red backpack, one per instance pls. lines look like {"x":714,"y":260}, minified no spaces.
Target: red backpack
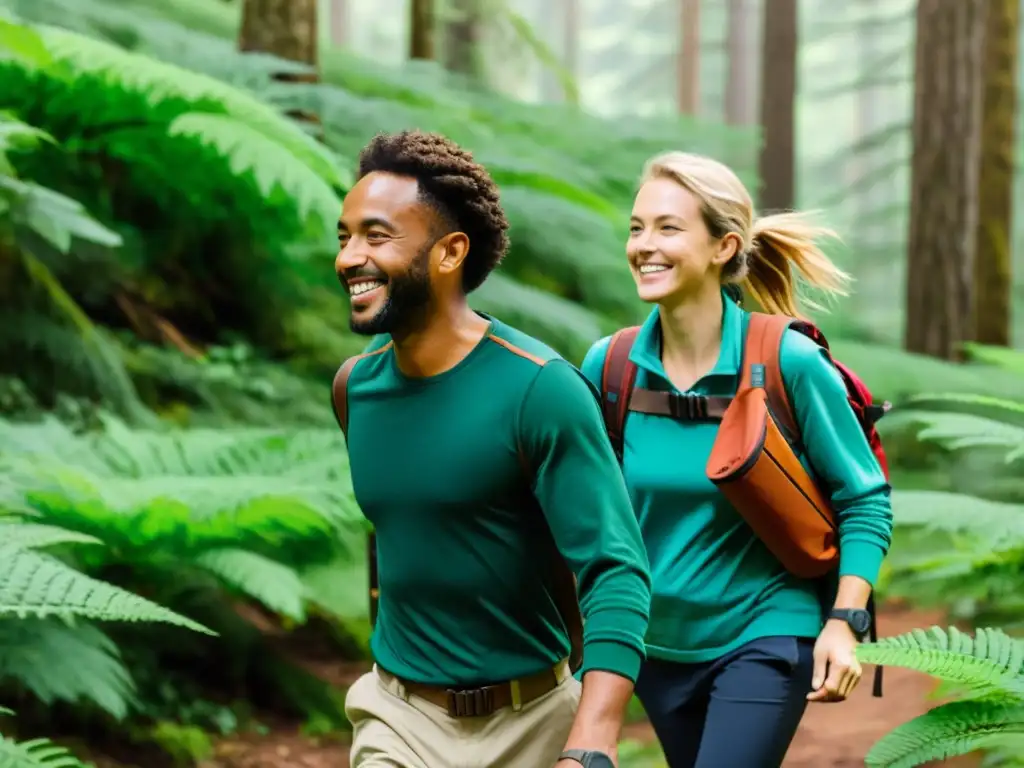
{"x":619,"y":376}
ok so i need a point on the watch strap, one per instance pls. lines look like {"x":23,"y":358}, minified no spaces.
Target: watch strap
{"x":587,"y":758}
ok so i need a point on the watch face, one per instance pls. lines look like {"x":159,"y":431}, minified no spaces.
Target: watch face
{"x":860,"y":621}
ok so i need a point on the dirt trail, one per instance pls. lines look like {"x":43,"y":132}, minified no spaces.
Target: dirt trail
{"x":831,"y":735}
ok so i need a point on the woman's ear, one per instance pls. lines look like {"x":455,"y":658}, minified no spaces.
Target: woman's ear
{"x":728,"y":247}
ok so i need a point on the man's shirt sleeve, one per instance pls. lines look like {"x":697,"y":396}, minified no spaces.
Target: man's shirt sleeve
{"x":579,"y":485}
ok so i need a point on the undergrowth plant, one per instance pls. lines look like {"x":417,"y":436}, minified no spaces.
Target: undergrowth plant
{"x":51,"y":643}
{"x":963,"y":549}
{"x":232,"y":528}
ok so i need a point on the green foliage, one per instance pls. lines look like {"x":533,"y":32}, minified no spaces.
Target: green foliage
{"x":989,"y":677}
{"x":200,"y":520}
{"x":962,"y":548}
{"x":35,"y":753}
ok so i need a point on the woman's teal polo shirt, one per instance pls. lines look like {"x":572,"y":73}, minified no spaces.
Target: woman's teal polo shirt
{"x":716,"y":586}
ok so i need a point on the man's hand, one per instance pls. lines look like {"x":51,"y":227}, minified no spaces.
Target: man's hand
{"x":836,"y":670}
{"x":598,"y":722}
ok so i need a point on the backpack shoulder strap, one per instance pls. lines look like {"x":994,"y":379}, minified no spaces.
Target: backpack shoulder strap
{"x":762,"y":347}
{"x":618,"y":375}
{"x":339,"y":404}
{"x":339,"y":388}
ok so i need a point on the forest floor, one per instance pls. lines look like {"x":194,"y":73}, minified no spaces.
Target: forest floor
{"x":830,"y":736}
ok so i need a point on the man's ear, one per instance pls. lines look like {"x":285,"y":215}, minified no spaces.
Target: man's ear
{"x":454,"y":248}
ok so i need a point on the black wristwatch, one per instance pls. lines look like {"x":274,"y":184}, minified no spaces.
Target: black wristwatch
{"x":588,"y":759}
{"x":858,"y":619}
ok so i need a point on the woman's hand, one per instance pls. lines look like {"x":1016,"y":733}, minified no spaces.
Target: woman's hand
{"x":836,"y":670}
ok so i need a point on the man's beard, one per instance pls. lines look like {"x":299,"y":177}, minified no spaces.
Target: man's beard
{"x":406,"y":303}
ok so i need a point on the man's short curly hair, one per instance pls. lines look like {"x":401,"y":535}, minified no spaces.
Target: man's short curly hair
{"x":456,"y":186}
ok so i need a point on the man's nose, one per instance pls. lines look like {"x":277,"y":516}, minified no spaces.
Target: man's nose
{"x":350,"y":256}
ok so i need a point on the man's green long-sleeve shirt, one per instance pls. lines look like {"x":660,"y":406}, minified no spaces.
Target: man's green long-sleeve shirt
{"x":463,"y":475}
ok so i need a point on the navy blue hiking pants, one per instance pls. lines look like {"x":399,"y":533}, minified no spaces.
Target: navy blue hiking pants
{"x":739,"y":711}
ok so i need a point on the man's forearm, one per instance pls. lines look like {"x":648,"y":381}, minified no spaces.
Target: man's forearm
{"x":598,"y":722}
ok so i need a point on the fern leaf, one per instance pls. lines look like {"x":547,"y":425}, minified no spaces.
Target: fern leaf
{"x":986,"y":665}
{"x":62,"y":662}
{"x":32,"y":584}
{"x":159,"y":82}
{"x":997,"y":525}
{"x":185,"y":491}
{"x":22,"y":44}
{"x":958,"y":431}
{"x":270,"y":163}
{"x":275,"y":585}
{"x":949,"y":730}
{"x":35,"y":753}
{"x":21,"y":535}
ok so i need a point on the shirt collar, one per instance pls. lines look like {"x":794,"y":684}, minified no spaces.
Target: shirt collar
{"x":646,"y":352}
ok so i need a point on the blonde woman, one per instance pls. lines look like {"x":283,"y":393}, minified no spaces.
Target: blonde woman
{"x":736,"y":645}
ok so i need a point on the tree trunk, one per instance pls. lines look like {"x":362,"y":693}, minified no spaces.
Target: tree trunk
{"x":286,"y":29}
{"x":421,"y":29}
{"x":462,"y":34}
{"x":867,"y":122}
{"x":739,"y":85}
{"x":993,"y":286}
{"x":689,"y":57}
{"x":778,"y":99}
{"x":944,"y":175}
{"x":339,"y":22}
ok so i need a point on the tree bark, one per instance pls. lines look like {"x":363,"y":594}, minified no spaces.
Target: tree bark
{"x":689,"y":57}
{"x":339,"y":22}
{"x":944,"y":175}
{"x":286,"y":29}
{"x":462,"y":35}
{"x":993,"y":286}
{"x":778,"y":101}
{"x":421,"y":29}
{"x":283,"y":28}
{"x":739,"y":85}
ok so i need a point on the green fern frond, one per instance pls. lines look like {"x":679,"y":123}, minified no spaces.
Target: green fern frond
{"x":33,"y":584}
{"x":62,"y":662}
{"x":159,"y":82}
{"x":959,"y":431}
{"x":16,"y":533}
{"x":991,"y":525}
{"x":35,"y":753}
{"x":14,"y":134}
{"x":275,"y":585}
{"x":157,"y":493}
{"x":271,"y":164}
{"x":22,"y":44}
{"x":1000,"y":357}
{"x":56,"y":217}
{"x":986,"y":665}
{"x":950,"y":730}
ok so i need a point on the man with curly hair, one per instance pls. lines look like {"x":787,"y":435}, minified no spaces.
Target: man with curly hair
{"x":480,"y":457}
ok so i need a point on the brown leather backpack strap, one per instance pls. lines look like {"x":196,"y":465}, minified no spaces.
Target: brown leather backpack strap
{"x":339,"y":404}
{"x":618,"y":375}
{"x":762,"y":347}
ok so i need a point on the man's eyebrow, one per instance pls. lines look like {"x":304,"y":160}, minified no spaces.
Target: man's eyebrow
{"x":373,"y":221}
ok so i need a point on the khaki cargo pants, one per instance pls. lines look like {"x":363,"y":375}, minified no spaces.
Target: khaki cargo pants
{"x":392,"y":728}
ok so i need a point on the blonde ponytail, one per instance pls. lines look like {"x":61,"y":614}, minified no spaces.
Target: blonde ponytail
{"x":779,"y":243}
